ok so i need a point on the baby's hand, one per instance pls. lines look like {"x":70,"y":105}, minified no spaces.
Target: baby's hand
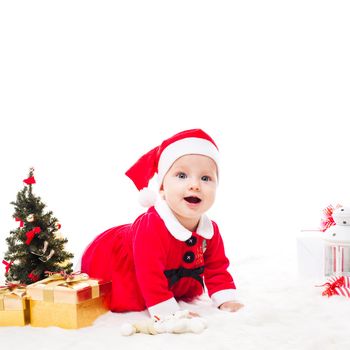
{"x":230,"y":306}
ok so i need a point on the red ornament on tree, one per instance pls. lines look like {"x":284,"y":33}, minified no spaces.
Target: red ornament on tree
{"x":8,"y":265}
{"x":21,"y":223}
{"x":33,"y":277}
{"x":30,"y":234}
{"x":29,"y":180}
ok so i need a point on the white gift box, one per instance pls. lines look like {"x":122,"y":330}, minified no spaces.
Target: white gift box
{"x":310,"y":249}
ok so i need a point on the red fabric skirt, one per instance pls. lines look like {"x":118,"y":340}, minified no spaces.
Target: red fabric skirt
{"x":110,"y":257}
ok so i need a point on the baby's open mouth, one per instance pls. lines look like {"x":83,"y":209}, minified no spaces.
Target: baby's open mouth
{"x":192,"y":199}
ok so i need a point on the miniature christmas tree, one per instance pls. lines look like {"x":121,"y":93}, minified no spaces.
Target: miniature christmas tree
{"x":36,"y":246}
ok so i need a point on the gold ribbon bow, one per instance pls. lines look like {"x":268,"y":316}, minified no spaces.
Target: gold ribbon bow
{"x":18,"y":291}
{"x":61,"y":279}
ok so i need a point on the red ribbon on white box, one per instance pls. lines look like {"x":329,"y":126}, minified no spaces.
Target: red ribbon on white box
{"x":327,"y":220}
{"x":337,"y":286}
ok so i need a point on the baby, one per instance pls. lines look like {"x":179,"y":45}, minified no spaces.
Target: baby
{"x":173,"y":251}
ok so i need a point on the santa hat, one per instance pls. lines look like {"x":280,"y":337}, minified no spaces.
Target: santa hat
{"x":160,"y":159}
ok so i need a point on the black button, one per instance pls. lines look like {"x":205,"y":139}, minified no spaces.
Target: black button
{"x":191,"y":241}
{"x":188,"y":257}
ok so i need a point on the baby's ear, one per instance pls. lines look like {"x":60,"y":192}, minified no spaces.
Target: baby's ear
{"x":161,"y":192}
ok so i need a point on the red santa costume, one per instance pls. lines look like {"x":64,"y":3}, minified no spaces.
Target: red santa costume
{"x":156,"y":261}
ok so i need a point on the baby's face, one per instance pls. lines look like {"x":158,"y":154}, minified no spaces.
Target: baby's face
{"x":189,"y":188}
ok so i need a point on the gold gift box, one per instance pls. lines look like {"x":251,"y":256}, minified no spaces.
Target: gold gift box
{"x":69,"y":304}
{"x":14,"y":307}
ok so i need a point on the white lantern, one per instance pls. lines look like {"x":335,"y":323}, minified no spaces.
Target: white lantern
{"x":337,"y":244}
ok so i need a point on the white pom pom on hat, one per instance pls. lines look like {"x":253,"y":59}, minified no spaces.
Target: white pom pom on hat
{"x":160,"y":159}
{"x":147,"y":197}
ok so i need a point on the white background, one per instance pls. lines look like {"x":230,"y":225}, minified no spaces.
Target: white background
{"x":87,"y":87}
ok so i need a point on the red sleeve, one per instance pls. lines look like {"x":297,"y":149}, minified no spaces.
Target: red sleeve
{"x":216,"y":276}
{"x":150,"y":248}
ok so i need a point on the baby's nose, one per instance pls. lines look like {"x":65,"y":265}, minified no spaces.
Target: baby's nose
{"x":194,"y":185}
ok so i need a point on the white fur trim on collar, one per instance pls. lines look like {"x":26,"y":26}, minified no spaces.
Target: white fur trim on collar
{"x":204,"y":229}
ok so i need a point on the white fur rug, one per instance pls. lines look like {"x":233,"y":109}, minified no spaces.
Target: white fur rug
{"x":281,"y":312}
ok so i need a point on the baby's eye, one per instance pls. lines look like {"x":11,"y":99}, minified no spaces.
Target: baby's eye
{"x":181,"y":175}
{"x":205,"y":178}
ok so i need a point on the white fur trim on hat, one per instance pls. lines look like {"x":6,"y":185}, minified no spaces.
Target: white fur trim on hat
{"x":189,"y":145}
